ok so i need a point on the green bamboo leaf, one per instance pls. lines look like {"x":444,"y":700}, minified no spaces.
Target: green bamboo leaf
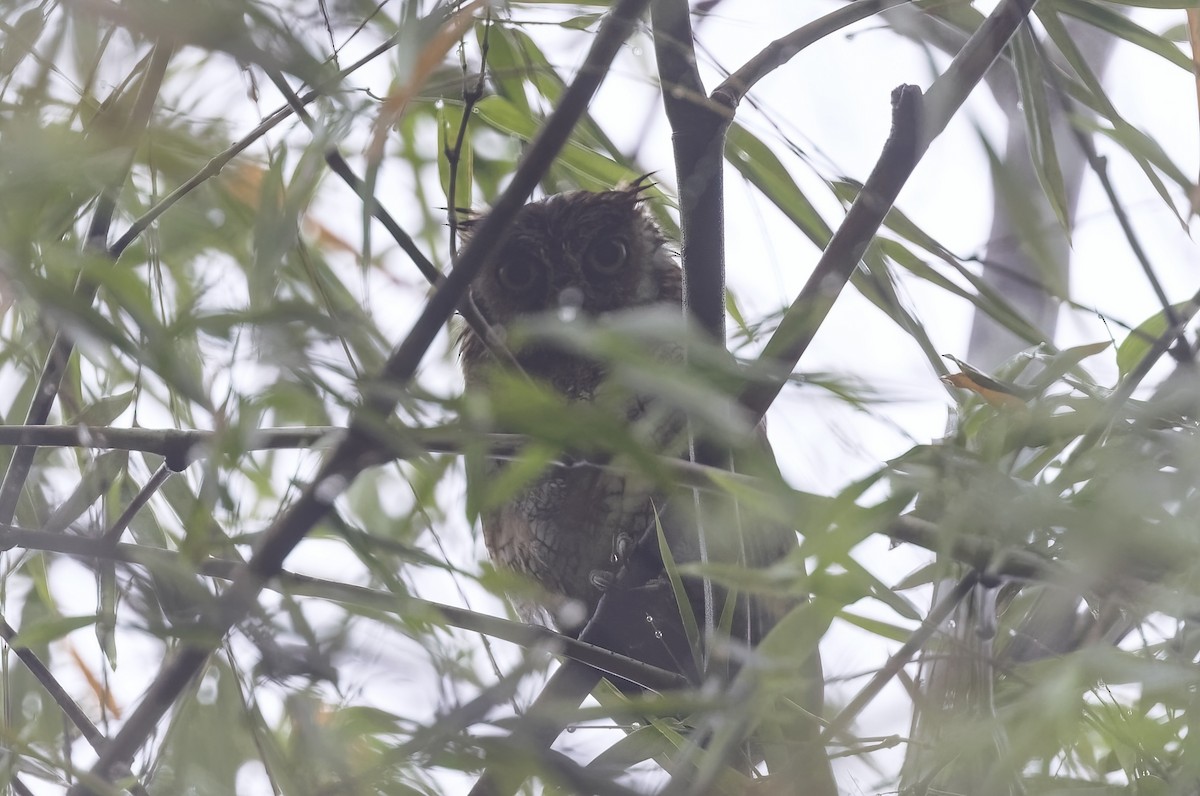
{"x":96,"y":481}
{"x":1056,"y":366}
{"x":755,"y":161}
{"x":1137,"y":344}
{"x":1039,"y":124}
{"x":687,"y":616}
{"x":644,"y":743}
{"x":984,"y":297}
{"x":506,"y":65}
{"x":536,"y":71}
{"x":105,"y":410}
{"x":47,"y":630}
{"x":876,"y":627}
{"x":902,"y":256}
{"x":1104,"y":17}
{"x":582,"y":22}
{"x":1093,"y":95}
{"x":1142,"y":146}
{"x":593,"y":170}
{"x":106,"y":619}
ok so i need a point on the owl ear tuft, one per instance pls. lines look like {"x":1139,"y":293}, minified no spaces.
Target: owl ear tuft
{"x":636,"y":188}
{"x":468,"y":219}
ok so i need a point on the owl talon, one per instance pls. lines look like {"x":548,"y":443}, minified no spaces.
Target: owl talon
{"x":601,"y":579}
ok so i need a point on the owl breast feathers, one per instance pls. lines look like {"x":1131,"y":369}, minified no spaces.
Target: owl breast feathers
{"x":595,"y":253}
{"x":573,"y":529}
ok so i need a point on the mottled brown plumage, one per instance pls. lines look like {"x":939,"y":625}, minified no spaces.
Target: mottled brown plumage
{"x":573,"y":529}
{"x":599,"y":253}
{"x":595,"y":253}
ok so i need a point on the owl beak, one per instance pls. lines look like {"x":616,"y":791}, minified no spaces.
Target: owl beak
{"x":570,"y":300}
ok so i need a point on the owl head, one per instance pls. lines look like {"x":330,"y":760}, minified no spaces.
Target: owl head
{"x":591,"y":252}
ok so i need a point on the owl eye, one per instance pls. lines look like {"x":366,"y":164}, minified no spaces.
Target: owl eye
{"x":519,"y":275}
{"x":606,"y":256}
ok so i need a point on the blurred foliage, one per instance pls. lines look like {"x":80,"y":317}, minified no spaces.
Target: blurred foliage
{"x":208,"y":271}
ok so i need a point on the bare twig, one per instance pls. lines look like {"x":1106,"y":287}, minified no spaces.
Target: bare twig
{"x":112,"y":534}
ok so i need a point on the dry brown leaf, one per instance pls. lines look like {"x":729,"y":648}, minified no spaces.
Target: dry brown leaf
{"x":427,"y":60}
{"x":994,"y":395}
{"x":102,"y":694}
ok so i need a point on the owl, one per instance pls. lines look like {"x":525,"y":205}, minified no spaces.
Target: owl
{"x":596,"y":255}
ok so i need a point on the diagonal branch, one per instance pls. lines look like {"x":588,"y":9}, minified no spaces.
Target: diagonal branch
{"x":353,"y":452}
{"x":902,"y":656}
{"x":915,"y":124}
{"x":799,"y":326}
{"x":63,"y":344}
{"x":219,"y":161}
{"x":779,"y":52}
{"x":340,"y":167}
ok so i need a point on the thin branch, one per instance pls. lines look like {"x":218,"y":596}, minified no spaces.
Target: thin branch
{"x":698,"y":137}
{"x":901,"y":657}
{"x":782,"y":50}
{"x":352,"y":453}
{"x":915,"y":124}
{"x":62,"y":345}
{"x":802,"y":320}
{"x":471,"y":96}
{"x":525,"y":635}
{"x":56,"y":692}
{"x":218,"y":162}
{"x":182,"y":447}
{"x":340,"y":167}
{"x":46,"y":679}
{"x":953,"y":86}
{"x":112,"y":534}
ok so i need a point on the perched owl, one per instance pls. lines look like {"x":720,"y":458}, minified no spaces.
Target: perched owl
{"x":573,"y":529}
{"x":569,"y":530}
